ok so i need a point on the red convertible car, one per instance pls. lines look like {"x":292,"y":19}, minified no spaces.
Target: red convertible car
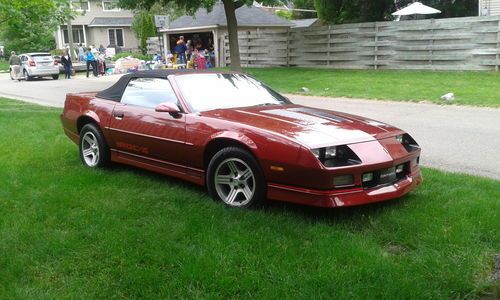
{"x":241,"y":139}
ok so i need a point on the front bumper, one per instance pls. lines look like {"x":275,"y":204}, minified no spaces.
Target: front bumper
{"x":344,"y":197}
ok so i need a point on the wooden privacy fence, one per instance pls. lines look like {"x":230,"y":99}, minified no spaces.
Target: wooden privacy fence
{"x":471,"y":43}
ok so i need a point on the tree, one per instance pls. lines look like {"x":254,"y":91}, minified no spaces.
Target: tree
{"x":373,"y":11}
{"x":348,"y":11}
{"x":143,"y":24}
{"x":337,"y":11}
{"x":448,"y":8}
{"x":190,"y":6}
{"x":29,"y":25}
{"x":143,"y":27}
{"x":303,"y":4}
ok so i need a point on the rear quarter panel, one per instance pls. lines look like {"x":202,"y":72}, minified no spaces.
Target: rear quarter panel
{"x":85,"y":105}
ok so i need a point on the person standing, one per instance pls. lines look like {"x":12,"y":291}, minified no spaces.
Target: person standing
{"x":15,"y":66}
{"x":91,"y":62}
{"x":81,"y":53}
{"x":180,"y":49}
{"x":66,"y":62}
{"x":189,"y":50}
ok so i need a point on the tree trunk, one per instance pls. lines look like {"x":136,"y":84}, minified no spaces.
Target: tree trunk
{"x":232,"y":28}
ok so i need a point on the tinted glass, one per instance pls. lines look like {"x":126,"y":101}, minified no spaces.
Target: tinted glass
{"x":212,"y":91}
{"x":41,"y":57}
{"x":148,"y":92}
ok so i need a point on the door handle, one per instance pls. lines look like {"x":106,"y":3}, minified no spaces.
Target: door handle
{"x":118,"y":116}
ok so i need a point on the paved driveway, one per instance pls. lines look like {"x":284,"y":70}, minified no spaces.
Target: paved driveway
{"x":453,"y":138}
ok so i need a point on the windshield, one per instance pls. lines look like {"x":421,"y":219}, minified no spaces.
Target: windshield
{"x":204,"y":92}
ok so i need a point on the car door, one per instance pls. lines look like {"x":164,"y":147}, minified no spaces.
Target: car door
{"x":137,"y":130}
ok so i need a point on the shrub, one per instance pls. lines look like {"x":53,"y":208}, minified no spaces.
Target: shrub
{"x":57,"y":51}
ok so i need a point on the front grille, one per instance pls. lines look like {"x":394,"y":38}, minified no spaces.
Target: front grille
{"x":386,"y":176}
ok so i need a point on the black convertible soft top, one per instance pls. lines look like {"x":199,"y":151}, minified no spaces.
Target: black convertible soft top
{"x":115,"y":91}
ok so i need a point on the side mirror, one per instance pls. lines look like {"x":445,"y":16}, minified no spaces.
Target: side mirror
{"x":168,"y":107}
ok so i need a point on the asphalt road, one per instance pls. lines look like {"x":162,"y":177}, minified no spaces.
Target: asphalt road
{"x":453,"y":138}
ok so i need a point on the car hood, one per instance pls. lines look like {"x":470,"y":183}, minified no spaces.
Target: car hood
{"x":311,"y":127}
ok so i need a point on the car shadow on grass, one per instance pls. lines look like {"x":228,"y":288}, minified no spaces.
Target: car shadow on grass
{"x":335,"y":214}
{"x":323,"y":215}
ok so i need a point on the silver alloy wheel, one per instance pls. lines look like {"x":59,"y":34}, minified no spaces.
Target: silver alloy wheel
{"x":90,"y":149}
{"x":234,"y":182}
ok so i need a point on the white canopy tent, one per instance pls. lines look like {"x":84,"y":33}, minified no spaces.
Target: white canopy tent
{"x":416,"y":8}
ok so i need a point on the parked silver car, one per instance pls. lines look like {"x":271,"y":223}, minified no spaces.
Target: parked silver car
{"x":38,"y":65}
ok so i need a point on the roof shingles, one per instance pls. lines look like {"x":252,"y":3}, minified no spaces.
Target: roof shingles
{"x":246,"y":16}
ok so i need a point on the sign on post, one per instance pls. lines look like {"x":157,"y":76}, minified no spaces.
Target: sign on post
{"x":161,"y":21}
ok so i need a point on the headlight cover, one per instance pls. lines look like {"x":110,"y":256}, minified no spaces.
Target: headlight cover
{"x":336,"y":156}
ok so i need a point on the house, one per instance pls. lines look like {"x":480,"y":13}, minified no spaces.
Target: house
{"x":99,"y":23}
{"x":489,"y":7}
{"x":208,"y":29}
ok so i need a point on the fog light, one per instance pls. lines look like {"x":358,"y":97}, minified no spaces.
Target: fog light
{"x":343,"y":180}
{"x":367,"y":177}
{"x":399,"y":168}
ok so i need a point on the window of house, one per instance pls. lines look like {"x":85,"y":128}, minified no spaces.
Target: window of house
{"x":115,"y":37}
{"x":77,"y":36}
{"x":148,"y":92}
{"x":80,"y":5}
{"x":110,"y":6}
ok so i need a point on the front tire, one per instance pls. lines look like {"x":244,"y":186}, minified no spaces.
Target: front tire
{"x":55,"y":77}
{"x":235,"y":178}
{"x":94,"y":151}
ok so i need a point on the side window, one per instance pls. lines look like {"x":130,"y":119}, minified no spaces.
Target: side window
{"x":148,"y":92}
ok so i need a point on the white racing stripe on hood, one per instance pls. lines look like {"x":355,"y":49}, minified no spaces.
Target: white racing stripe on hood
{"x":320,"y":131}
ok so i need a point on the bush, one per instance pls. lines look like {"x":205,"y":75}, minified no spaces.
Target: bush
{"x":57,"y":51}
{"x":137,"y":55}
{"x":284,"y":14}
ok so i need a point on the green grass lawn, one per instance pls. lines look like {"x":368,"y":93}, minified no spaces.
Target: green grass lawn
{"x":70,"y":232}
{"x":470,"y":88}
{"x":4,"y":65}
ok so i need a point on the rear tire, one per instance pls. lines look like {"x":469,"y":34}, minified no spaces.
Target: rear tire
{"x":94,"y":151}
{"x":235,"y":178}
{"x":26,"y":76}
{"x":55,"y":77}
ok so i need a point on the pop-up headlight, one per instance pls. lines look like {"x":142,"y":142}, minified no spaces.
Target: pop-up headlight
{"x":336,"y":156}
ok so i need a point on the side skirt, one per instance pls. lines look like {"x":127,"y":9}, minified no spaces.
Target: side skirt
{"x":194,"y":175}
